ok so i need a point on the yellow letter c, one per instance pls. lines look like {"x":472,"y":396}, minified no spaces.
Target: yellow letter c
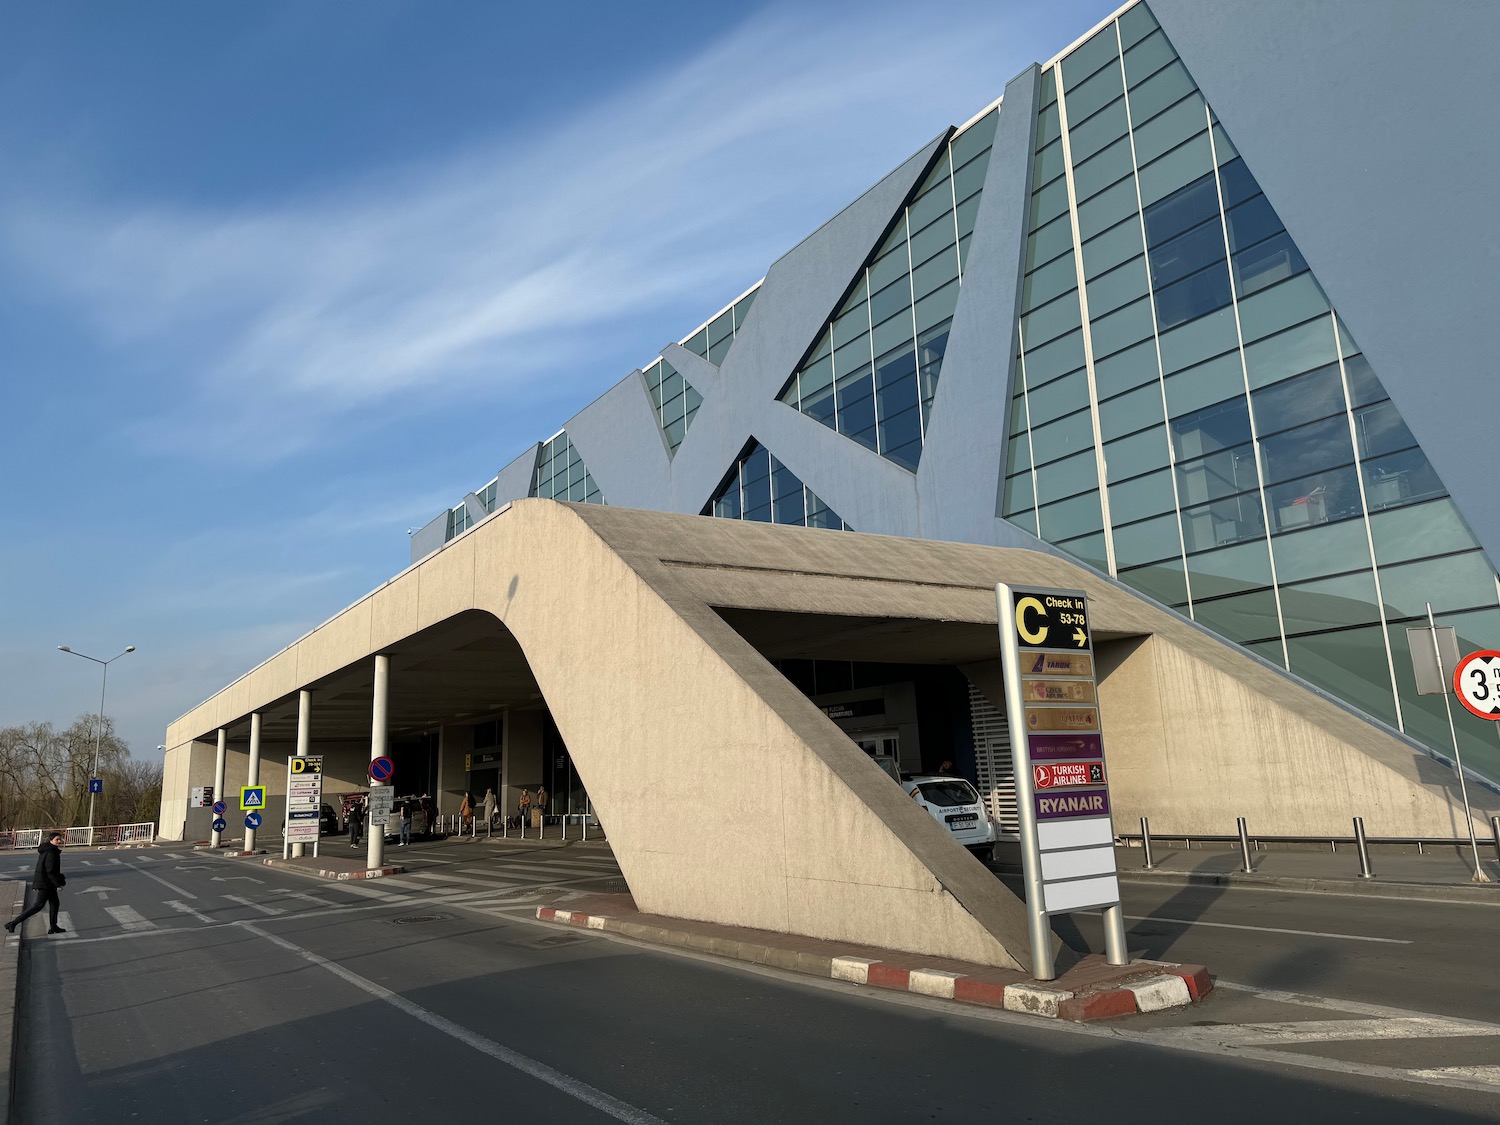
{"x":1030,"y":637}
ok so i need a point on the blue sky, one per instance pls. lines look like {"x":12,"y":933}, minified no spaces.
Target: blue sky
{"x":281,"y":280}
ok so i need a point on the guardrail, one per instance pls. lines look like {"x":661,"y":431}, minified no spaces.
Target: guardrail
{"x":101,"y":835}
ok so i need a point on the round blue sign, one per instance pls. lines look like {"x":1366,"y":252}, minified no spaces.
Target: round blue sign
{"x":381,"y":769}
{"x":220,"y":824}
{"x":219,"y":808}
{"x":252,"y":820}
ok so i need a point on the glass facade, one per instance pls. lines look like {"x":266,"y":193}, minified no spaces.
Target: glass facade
{"x":874,"y":370}
{"x":561,"y":474}
{"x":1191,"y":416}
{"x":673,"y":401}
{"x":715,"y":338}
{"x":761,"y":488}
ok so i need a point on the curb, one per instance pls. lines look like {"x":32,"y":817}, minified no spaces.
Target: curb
{"x":10,"y":995}
{"x":1158,"y":985}
{"x":374,"y":873}
{"x":1364,"y":888}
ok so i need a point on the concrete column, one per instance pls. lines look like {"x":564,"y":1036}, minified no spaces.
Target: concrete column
{"x":252,"y":775}
{"x":304,"y":739}
{"x":213,"y":840}
{"x":523,"y":755}
{"x":379,"y":710}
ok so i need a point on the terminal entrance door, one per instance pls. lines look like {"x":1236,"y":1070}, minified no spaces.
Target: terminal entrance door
{"x":884,"y":746}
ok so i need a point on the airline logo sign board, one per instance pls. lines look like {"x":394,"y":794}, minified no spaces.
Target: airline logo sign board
{"x":304,"y":798}
{"x":1476,"y":680}
{"x":1062,"y":785}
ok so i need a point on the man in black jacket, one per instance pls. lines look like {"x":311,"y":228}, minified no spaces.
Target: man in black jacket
{"x":46,"y":881}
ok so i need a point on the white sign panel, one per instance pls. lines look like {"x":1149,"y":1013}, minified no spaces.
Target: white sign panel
{"x":304,"y":798}
{"x":382,"y":801}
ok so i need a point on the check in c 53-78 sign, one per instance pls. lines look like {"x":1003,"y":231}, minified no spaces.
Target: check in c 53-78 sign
{"x":1062,"y":785}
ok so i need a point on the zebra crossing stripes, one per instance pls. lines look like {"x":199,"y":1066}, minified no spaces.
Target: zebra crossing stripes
{"x":129,"y":918}
{"x":264,"y":908}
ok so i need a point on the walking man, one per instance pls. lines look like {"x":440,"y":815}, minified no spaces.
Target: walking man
{"x":45,"y":882}
{"x":356,"y":823}
{"x":405,"y":824}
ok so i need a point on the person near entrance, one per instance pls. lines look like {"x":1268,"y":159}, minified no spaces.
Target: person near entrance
{"x":540,"y":804}
{"x":405,"y":824}
{"x":356,"y":823}
{"x":46,"y":881}
{"x":465,"y":812}
{"x":523,"y":807}
{"x":489,"y":808}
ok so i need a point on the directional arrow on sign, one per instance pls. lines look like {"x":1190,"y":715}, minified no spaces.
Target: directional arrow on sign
{"x":1081,"y":637}
{"x":232,"y":878}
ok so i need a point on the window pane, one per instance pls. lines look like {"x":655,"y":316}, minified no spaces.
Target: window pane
{"x":1078,"y":516}
{"x":1067,"y":477}
{"x":1165,"y":581}
{"x":1451,"y":582}
{"x":1137,"y":454}
{"x":1321,"y":550}
{"x":1318,"y":394}
{"x":1351,"y":664}
{"x":1193,"y":297}
{"x":1211,"y":429}
{"x":1281,"y":306}
{"x":1208,"y":383}
{"x":1144,"y":496}
{"x":1054,"y":359}
{"x":1329,"y":603}
{"x":1321,"y":498}
{"x":1433,"y":528}
{"x":1291,"y":352}
{"x":1059,"y":439}
{"x":1130,"y":412}
{"x":1117,"y":288}
{"x":1230,"y":569}
{"x":1243,"y":617}
{"x":1400,"y":478}
{"x":1187,"y":253}
{"x":1148,"y":541}
{"x":1198,"y":340}
{"x":1183,"y":165}
{"x":1102,"y":169}
{"x":1052,"y":280}
{"x":1120,"y":329}
{"x":1307,"y":449}
{"x":1119,"y":243}
{"x":1059,"y":397}
{"x":1170,"y":128}
{"x":1126,"y":369}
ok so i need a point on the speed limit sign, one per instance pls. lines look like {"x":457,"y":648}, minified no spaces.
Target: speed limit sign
{"x":1476,"y":681}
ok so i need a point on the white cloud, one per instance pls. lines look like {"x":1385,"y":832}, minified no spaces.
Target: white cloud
{"x":476,"y":275}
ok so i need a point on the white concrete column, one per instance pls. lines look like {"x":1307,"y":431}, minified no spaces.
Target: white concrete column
{"x":379,"y":711}
{"x":304,"y":740}
{"x":213,"y":840}
{"x":252,"y":775}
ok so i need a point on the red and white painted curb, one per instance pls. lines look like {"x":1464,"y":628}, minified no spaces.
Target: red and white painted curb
{"x":1170,"y":986}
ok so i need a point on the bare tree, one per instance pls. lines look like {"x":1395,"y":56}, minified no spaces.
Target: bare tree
{"x":44,"y":772}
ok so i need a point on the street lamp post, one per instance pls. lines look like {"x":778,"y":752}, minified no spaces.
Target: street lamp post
{"x":98,"y":730}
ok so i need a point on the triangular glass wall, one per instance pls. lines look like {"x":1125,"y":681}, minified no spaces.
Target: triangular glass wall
{"x":673,"y":400}
{"x":713,"y":341}
{"x":873,"y":373}
{"x":1255,"y":475}
{"x":761,"y":488}
{"x":561,"y":474}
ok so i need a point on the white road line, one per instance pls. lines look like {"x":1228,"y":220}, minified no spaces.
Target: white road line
{"x":272,"y":911}
{"x":129,"y":918}
{"x":184,"y":908}
{"x":439,"y":877}
{"x":573,"y":1087}
{"x":363,"y":891}
{"x":1264,"y":929}
{"x":1324,"y":1031}
{"x":176,"y":890}
{"x":1490,"y":1074}
{"x":65,"y":920}
{"x":305,"y":897}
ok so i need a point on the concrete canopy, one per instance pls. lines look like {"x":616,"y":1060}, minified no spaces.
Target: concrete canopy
{"x":729,"y":796}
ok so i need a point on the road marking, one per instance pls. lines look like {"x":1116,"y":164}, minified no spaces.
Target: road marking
{"x":435,"y":876}
{"x":272,"y":911}
{"x":305,"y":897}
{"x":573,"y":1087}
{"x":1325,"y":1031}
{"x":184,"y":908}
{"x":1264,"y":929}
{"x":65,"y":920}
{"x":176,"y":890}
{"x":129,"y":918}
{"x":1489,"y":1074}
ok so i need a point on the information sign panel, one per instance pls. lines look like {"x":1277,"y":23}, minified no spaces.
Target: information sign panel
{"x":304,"y":798}
{"x":200,"y":797}
{"x":382,"y":801}
{"x":1062,"y":787}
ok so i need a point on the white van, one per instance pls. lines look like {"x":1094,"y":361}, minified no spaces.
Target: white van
{"x":956,"y":805}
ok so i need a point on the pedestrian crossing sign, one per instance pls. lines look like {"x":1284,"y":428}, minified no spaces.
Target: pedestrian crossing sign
{"x":252,"y":797}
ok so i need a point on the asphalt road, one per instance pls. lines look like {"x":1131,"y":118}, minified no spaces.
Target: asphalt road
{"x":197,"y":988}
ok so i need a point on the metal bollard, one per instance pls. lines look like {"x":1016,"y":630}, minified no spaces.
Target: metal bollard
{"x":1244,"y":845}
{"x":586,"y":831}
{"x":1146,"y":842}
{"x":565,"y":826}
{"x":1363,"y":849}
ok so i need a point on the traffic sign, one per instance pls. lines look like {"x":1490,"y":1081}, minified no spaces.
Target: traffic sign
{"x":381,"y":769}
{"x":1476,"y":680}
{"x":96,"y":785}
{"x":1046,"y":619}
{"x":220,"y":824}
{"x":252,"y":820}
{"x":252,"y":796}
{"x":220,"y":808}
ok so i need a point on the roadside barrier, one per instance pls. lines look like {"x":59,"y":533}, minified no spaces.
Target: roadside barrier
{"x":101,"y":835}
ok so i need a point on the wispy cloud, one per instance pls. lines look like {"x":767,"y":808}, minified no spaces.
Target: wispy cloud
{"x":473,"y":276}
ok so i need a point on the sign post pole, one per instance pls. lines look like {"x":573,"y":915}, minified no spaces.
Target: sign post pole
{"x":1062,"y":789}
{"x":1458,"y":762}
{"x":379,"y":709}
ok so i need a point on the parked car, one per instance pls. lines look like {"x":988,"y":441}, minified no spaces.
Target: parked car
{"x":956,"y":805}
{"x":328,"y":821}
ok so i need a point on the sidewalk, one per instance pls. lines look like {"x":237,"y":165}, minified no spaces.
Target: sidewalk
{"x":1090,"y":989}
{"x":1438,"y":873}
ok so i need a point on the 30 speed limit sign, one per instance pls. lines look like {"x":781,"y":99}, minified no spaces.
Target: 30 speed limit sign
{"x":1476,"y":681}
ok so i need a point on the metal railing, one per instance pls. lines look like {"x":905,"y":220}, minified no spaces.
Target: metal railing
{"x":101,"y":835}
{"x":1248,"y":842}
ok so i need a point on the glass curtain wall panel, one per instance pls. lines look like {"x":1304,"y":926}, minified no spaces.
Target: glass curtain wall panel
{"x":761,"y":488}
{"x":1190,"y":415}
{"x":561,"y":474}
{"x":873,"y":372}
{"x":715,"y":338}
{"x":674,"y":401}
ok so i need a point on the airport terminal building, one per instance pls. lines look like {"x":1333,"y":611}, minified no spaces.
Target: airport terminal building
{"x":1190,"y":318}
